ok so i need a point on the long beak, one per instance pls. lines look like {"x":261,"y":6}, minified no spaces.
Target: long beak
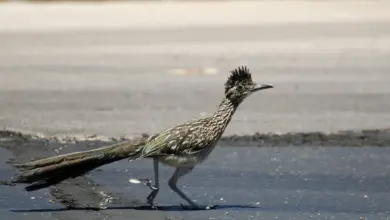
{"x":261,"y":87}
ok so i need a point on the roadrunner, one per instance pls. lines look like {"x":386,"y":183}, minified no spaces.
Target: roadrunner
{"x":183,"y":146}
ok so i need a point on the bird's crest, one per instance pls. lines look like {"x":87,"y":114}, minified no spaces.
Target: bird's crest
{"x":238,"y":75}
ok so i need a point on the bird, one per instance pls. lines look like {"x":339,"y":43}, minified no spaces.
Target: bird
{"x":181,"y":147}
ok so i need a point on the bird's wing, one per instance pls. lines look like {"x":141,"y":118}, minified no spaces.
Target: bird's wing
{"x":181,"y":139}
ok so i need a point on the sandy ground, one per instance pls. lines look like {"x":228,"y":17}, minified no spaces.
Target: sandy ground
{"x":167,"y":14}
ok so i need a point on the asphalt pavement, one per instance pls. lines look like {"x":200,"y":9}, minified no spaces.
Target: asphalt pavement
{"x":244,"y":183}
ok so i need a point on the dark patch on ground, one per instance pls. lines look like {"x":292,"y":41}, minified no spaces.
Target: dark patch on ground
{"x":30,"y":147}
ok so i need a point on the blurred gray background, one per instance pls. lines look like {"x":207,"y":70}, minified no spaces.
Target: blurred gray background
{"x":125,"y":68}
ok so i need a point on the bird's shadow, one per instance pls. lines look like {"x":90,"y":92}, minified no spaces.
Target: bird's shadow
{"x":170,"y":208}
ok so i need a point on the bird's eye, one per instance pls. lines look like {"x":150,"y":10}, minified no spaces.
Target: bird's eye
{"x":240,"y":88}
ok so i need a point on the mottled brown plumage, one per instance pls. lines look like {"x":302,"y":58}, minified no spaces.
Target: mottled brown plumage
{"x":183,"y":146}
{"x":188,"y":144}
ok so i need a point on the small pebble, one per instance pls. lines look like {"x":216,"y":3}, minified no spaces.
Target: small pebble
{"x":134,"y":181}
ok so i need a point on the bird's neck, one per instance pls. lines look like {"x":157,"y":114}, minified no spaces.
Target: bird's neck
{"x":224,"y":113}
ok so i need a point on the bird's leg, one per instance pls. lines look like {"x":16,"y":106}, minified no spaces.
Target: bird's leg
{"x":154,"y":187}
{"x":179,"y":172}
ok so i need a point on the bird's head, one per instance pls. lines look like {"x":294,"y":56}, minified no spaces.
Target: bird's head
{"x":240,"y":85}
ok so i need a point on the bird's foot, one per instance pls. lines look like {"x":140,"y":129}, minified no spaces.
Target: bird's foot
{"x":150,"y":202}
{"x":150,"y":198}
{"x":153,"y":207}
{"x":197,"y":207}
{"x":152,"y":195}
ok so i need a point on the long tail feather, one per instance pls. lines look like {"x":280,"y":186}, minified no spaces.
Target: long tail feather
{"x":50,"y":171}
